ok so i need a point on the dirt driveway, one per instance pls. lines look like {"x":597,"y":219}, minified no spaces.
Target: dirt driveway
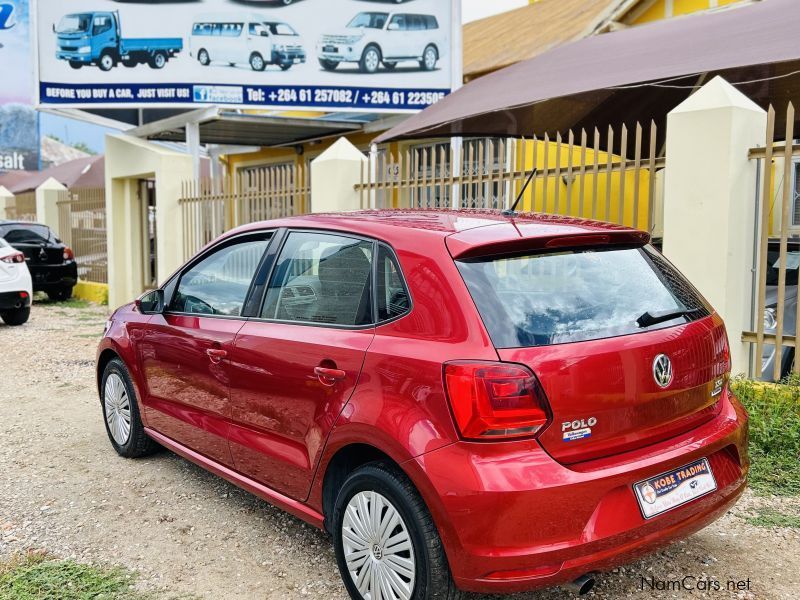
{"x":62,"y":489}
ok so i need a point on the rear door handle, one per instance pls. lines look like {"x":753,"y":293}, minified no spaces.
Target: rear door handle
{"x":216,"y":355}
{"x":329,"y":376}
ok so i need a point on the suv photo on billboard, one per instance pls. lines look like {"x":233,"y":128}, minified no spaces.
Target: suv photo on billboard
{"x":375,"y":38}
{"x":247,"y":39}
{"x":95,"y":38}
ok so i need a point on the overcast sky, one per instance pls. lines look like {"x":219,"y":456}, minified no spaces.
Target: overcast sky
{"x":477,"y":9}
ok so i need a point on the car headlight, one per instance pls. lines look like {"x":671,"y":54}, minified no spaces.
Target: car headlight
{"x":353,"y":39}
{"x":770,"y":318}
{"x":280,"y":47}
{"x":84,"y":49}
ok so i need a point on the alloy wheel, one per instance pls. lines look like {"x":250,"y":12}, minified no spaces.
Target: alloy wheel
{"x":430,"y":59}
{"x":372,"y":59}
{"x":378,"y":548}
{"x":117,"y":408}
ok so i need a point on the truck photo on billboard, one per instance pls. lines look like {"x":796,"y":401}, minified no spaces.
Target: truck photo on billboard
{"x":344,"y":55}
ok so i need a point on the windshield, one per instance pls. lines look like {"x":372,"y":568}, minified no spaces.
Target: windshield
{"x":74,"y":24}
{"x":280,"y":29}
{"x":370,"y":20}
{"x":26,"y":234}
{"x":579,"y":295}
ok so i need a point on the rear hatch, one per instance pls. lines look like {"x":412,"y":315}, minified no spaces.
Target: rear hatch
{"x":626,"y":350}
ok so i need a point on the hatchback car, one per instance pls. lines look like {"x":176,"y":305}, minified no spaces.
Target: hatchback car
{"x":51,"y":262}
{"x":464,"y":400}
{"x":15,"y":286}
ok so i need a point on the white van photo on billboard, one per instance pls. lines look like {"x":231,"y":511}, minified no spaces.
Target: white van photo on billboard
{"x":245,"y":39}
{"x":375,"y":38}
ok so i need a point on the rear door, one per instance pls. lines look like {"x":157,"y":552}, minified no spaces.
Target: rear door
{"x":615,"y":379}
{"x":185,"y":353}
{"x":296,"y":366}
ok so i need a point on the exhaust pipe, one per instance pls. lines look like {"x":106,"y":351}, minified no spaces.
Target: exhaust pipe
{"x":582,"y":585}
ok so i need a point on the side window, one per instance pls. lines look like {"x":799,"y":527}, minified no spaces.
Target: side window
{"x":321,"y":278}
{"x":399,"y":22}
{"x":393,"y":297}
{"x":101,"y":25}
{"x":218,"y":284}
{"x":431,"y":22}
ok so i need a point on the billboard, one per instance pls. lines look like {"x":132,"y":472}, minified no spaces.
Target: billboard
{"x":342,"y":55}
{"x":19,"y":123}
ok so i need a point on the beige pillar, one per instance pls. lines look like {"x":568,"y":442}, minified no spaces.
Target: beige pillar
{"x":709,"y":201}
{"x":6,"y":203}
{"x":47,"y":196}
{"x":334,"y":175}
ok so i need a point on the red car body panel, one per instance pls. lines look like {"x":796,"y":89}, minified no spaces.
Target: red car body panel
{"x":513,"y":515}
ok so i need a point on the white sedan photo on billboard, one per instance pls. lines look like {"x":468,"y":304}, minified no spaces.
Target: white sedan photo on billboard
{"x":372,"y":39}
{"x":231,"y":39}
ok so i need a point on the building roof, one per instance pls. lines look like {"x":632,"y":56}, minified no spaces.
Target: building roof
{"x":508,"y":38}
{"x":634,"y":74}
{"x":83,"y":172}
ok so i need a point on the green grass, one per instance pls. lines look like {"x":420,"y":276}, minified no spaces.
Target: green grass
{"x":769,"y":517}
{"x":36,"y":577}
{"x":774,"y":434}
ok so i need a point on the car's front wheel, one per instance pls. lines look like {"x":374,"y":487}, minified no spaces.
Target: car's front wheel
{"x":370,"y":60}
{"x":17,"y":316}
{"x":257,"y":62}
{"x":387,"y":545}
{"x":121,"y":413}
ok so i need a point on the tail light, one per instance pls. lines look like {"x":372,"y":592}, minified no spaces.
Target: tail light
{"x":18,"y":257}
{"x":495,"y":400}
{"x":68,"y":253}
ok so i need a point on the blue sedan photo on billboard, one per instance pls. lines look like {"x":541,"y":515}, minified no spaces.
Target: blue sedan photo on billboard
{"x":342,"y":55}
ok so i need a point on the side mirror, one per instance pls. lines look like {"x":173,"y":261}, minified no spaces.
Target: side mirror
{"x":394,"y":27}
{"x":151,"y":303}
{"x":264,"y":34}
{"x":54,"y":27}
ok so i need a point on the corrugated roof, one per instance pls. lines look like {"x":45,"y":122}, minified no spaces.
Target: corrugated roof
{"x":508,"y":38}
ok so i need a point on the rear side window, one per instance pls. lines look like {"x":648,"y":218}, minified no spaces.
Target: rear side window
{"x":219,"y":283}
{"x":393,"y":298}
{"x":321,"y":278}
{"x":573,"y":296}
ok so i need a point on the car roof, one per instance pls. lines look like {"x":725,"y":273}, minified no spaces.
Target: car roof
{"x":465,"y":228}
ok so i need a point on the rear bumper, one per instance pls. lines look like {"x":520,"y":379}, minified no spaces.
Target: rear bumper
{"x":512,"y":519}
{"x":48,"y":278}
{"x":14,"y":300}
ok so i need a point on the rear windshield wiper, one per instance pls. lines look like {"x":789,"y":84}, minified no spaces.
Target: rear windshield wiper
{"x":648,"y":318}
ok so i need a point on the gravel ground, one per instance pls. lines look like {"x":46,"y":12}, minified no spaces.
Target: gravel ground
{"x":187,"y":532}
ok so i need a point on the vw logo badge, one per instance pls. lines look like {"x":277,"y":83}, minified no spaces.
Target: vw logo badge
{"x":662,"y":370}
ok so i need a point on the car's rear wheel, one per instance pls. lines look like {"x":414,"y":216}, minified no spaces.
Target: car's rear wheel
{"x":121,"y":413}
{"x":17,"y":316}
{"x":328,"y":65}
{"x":429,"y":59}
{"x":158,"y":60}
{"x":60,"y":295}
{"x":387,"y":545}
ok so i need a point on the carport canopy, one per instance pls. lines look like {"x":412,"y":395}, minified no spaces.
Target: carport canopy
{"x":635,"y":74}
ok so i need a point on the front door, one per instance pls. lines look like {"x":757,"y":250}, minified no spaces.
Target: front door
{"x":185,"y":352}
{"x":294,"y":368}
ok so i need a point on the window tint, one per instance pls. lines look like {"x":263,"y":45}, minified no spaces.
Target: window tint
{"x":218,"y":284}
{"x":393,"y":298}
{"x":321,"y":278}
{"x":26,"y":234}
{"x":573,"y":296}
{"x":431,"y":22}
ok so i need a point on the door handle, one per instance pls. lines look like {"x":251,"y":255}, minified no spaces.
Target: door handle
{"x":329,"y":376}
{"x":216,"y":355}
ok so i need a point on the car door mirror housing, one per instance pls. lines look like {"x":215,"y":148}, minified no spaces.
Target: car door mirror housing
{"x":394,"y":27}
{"x":151,"y":303}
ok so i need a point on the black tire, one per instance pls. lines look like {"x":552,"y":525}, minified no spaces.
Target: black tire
{"x":75,"y":64}
{"x":257,"y":62}
{"x":138,"y":443}
{"x":433,"y":580}
{"x":389,"y":66}
{"x":106,"y":62}
{"x":369,"y":62}
{"x":16,"y":317}
{"x":286,"y":66}
{"x":60,"y":295}
{"x":424,"y":64}
{"x":328,"y":65}
{"x":203,"y":58}
{"x":130,"y":63}
{"x":157,"y":61}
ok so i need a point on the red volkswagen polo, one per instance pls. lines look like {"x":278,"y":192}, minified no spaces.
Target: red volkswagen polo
{"x":464,"y":400}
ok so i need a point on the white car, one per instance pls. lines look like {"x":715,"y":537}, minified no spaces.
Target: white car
{"x":245,"y":39}
{"x":16,"y":288}
{"x":375,"y":38}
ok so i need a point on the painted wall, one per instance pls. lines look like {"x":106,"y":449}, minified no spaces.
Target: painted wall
{"x":664,"y":9}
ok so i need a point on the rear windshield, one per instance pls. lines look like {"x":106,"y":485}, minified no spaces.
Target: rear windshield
{"x":19,"y":233}
{"x":572,"y":296}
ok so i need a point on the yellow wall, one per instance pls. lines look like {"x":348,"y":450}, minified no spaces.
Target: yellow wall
{"x":660,"y":9}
